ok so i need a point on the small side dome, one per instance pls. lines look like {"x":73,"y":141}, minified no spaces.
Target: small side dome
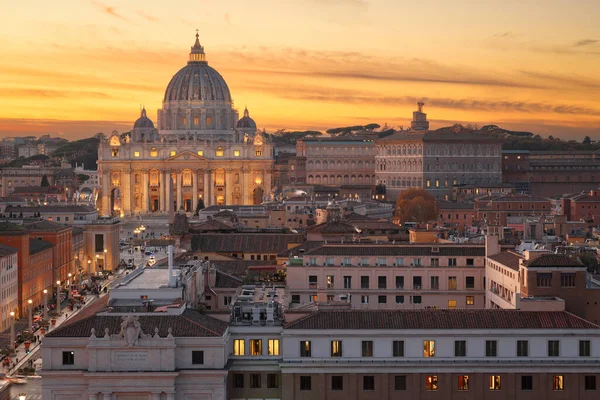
{"x":246,"y":121}
{"x":143,"y":121}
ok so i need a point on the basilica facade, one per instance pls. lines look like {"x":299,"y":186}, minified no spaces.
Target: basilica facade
{"x":198,"y":152}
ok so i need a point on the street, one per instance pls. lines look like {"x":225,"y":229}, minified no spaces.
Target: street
{"x":33,"y":389}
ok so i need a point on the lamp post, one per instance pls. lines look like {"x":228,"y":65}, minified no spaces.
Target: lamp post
{"x":12,"y":329}
{"x":58,"y":297}
{"x":45,"y":304}
{"x":90,"y":271}
{"x":105,"y":262}
{"x":69,"y":285}
{"x":30,"y":304}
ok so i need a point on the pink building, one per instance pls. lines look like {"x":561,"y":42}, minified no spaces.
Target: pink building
{"x":372,"y":276}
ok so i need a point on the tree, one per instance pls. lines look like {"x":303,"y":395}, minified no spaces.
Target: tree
{"x":416,"y":205}
{"x":83,"y":177}
{"x":199,"y":207}
{"x":590,"y":261}
{"x":587,"y":140}
{"x":45,"y":182}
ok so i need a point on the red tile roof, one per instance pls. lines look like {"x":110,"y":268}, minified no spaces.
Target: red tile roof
{"x":553,"y":260}
{"x":441,"y":319}
{"x":508,"y":259}
{"x":188,"y":324}
{"x":383,"y":250}
{"x":244,"y":242}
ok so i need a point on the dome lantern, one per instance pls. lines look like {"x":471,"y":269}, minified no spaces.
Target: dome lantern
{"x":197,"y":51}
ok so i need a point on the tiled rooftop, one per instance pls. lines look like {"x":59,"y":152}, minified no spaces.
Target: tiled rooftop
{"x":44,"y":225}
{"x":188,"y":324}
{"x":244,"y":242}
{"x":508,"y":259}
{"x":553,"y":260}
{"x":7,"y":250}
{"x":440,"y":319}
{"x":388,"y":249}
{"x":37,"y":245}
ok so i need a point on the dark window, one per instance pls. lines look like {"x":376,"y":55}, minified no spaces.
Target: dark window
{"x":197,"y":357}
{"x":590,"y":382}
{"x":255,"y":381}
{"x":369,"y":382}
{"x":305,"y":348}
{"x":491,"y":348}
{"x":296,"y":298}
{"x":460,"y":348}
{"x":337,"y":382}
{"x":400,"y":382}
{"x":382,"y":299}
{"x":381,"y":282}
{"x":416,"y":282}
{"x":305,"y":383}
{"x":399,"y":282}
{"x":553,"y":348}
{"x":567,"y":280}
{"x":272,"y":381}
{"x":470,"y":262}
{"x":367,"y":348}
{"x":312,"y":279}
{"x":68,"y":357}
{"x":452,"y":262}
{"x":544,"y":279}
{"x":526,"y":382}
{"x":99,"y":243}
{"x":417,"y":300}
{"x":399,"y":299}
{"x":470,"y":282}
{"x":584,"y":348}
{"x":398,"y":348}
{"x":238,"y":381}
{"x":364,"y":282}
{"x":522,"y":348}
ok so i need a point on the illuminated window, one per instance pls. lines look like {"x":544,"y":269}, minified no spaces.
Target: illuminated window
{"x":184,"y":121}
{"x":219,"y":152}
{"x":236,"y":153}
{"x":195,"y":121}
{"x":305,"y":348}
{"x":494,"y":382}
{"x":173,"y":152}
{"x":115,"y":152}
{"x":557,"y":382}
{"x":437,"y":183}
{"x":470,"y":300}
{"x":336,"y":348}
{"x":429,"y":348}
{"x":239,"y":347}
{"x":201,"y":153}
{"x":428,"y":183}
{"x":208,"y":121}
{"x":136,"y":153}
{"x":273,"y":347}
{"x":258,"y":153}
{"x":452,"y":304}
{"x":256,"y":347}
{"x":153,"y":152}
{"x":463,"y":382}
{"x":431,"y":382}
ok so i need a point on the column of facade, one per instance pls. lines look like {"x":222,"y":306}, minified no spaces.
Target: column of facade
{"x":247,"y":188}
{"x":161,"y":189}
{"x":105,"y":193}
{"x":156,"y":395}
{"x":93,"y":396}
{"x":194,"y":190}
{"x":205,"y":190}
{"x":145,"y":192}
{"x":126,"y":196}
{"x":179,"y":192}
{"x":267,"y":184}
{"x":228,"y":188}
{"x":107,"y":395}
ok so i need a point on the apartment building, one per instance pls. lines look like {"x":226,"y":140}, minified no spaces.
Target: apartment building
{"x":9,"y":288}
{"x":388,"y":275}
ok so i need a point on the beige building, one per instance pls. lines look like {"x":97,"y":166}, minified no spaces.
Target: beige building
{"x":9,"y":294}
{"x":200,"y":151}
{"x":437,"y":160}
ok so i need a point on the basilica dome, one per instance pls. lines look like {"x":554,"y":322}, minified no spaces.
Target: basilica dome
{"x":143,"y":121}
{"x":197,"y":81}
{"x":246,"y":121}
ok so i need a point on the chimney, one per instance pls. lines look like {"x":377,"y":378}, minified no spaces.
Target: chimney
{"x":491,"y":245}
{"x":171,"y":277}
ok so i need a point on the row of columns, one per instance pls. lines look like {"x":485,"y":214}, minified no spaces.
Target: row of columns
{"x":109,"y":396}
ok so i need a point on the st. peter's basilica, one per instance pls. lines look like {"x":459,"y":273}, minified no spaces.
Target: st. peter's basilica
{"x":199,"y":150}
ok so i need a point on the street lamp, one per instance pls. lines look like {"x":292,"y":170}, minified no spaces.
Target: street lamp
{"x":12,"y":329}
{"x":30,"y":304}
{"x":45,"y":304}
{"x":58,"y":297}
{"x":105,"y":263}
{"x":69,"y":284}
{"x":90,"y":270}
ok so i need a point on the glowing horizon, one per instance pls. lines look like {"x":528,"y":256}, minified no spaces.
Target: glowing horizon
{"x":88,"y":66}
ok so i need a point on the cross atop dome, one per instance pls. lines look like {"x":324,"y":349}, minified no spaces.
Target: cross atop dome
{"x":197,"y":51}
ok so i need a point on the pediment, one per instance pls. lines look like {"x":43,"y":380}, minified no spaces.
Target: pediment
{"x":186,"y":155}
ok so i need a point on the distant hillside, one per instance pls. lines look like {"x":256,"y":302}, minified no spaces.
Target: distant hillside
{"x":84,"y":151}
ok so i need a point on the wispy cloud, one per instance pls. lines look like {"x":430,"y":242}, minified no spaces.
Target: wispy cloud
{"x":147,"y":16}
{"x":112,"y":11}
{"x":586,"y":42}
{"x":227,"y":18}
{"x":49,"y":93}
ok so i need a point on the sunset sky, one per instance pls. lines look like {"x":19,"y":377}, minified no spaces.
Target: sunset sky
{"x":77,"y":67}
